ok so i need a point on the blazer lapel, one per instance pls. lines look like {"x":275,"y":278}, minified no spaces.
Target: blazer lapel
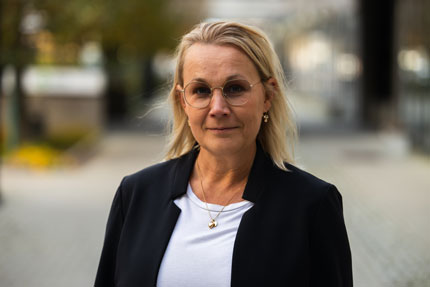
{"x":182,"y":172}
{"x":261,"y":166}
{"x":258,"y":178}
{"x":167,"y":219}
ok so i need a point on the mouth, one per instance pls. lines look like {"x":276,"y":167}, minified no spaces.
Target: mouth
{"x":221,"y":128}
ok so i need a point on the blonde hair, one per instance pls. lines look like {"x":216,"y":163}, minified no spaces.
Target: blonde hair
{"x":277,"y":137}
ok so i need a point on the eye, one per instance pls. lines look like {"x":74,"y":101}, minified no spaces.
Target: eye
{"x":201,"y":90}
{"x":236,"y":87}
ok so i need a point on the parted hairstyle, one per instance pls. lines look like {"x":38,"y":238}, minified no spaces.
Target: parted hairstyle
{"x":278,"y":136}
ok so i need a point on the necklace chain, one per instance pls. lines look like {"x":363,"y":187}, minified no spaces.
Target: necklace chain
{"x":212,"y":223}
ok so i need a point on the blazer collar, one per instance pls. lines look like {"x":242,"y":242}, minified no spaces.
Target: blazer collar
{"x":183,"y":168}
{"x":254,"y":187}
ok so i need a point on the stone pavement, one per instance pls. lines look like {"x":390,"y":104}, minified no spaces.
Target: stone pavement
{"x":52,"y":223}
{"x":386,"y":196}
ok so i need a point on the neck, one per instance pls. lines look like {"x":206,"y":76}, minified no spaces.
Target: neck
{"x":233,"y":165}
{"x":222,"y":176}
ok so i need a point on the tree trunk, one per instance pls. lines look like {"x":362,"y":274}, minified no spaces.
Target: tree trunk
{"x":116,"y":104}
{"x":148,"y":79}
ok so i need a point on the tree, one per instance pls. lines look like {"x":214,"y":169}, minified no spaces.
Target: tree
{"x":14,"y":51}
{"x":140,"y":28}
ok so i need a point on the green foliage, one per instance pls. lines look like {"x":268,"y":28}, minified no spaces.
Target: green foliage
{"x":129,"y":31}
{"x":67,"y":139}
{"x":144,"y":26}
{"x":12,"y":46}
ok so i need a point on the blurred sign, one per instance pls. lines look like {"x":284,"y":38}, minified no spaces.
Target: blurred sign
{"x":64,"y":81}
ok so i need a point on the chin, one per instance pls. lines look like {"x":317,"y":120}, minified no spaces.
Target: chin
{"x":223,"y":148}
{"x":219,"y":146}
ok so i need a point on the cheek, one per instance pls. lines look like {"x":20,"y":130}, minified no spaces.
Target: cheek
{"x":256,"y":124}
{"x":253,"y":121}
{"x":195,"y":120}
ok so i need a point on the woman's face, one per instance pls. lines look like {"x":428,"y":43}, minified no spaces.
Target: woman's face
{"x":220,"y":128}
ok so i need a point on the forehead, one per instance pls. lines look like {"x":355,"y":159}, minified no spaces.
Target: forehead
{"x":215,"y":63}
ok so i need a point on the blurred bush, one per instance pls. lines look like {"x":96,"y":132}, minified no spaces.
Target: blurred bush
{"x":39,"y":156}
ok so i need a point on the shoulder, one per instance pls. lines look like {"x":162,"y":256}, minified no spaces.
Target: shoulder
{"x":304,"y":178}
{"x":158,"y":182}
{"x":165,"y":171}
{"x":150,"y":174}
{"x":299,"y":193}
{"x":300,"y":184}
{"x":153,"y":182}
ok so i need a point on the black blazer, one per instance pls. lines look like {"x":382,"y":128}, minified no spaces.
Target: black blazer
{"x":294,"y":235}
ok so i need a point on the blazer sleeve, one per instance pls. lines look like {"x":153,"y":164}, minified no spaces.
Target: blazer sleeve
{"x":106,"y":271}
{"x":330,"y":251}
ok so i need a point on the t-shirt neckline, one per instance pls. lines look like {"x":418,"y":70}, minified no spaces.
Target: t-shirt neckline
{"x":215,"y":207}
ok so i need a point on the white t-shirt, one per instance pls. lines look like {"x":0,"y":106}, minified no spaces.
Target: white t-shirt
{"x":196,"y":255}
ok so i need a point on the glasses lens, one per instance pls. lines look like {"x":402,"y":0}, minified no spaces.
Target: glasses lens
{"x":237,"y":91}
{"x":198,"y":94}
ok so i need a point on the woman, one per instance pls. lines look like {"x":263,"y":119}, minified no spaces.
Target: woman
{"x":227,"y":208}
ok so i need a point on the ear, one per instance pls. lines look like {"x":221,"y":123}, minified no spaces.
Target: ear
{"x":269,"y":94}
{"x":180,"y":96}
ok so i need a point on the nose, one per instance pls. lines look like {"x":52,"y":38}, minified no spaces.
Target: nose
{"x":218,"y":105}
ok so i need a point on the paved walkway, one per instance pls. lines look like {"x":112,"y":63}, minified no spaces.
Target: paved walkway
{"x":386,"y":196}
{"x":52,"y":223}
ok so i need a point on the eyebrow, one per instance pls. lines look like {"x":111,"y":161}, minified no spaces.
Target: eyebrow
{"x":231,"y":77}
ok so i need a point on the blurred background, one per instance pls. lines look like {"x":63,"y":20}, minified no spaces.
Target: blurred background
{"x":80,"y":80}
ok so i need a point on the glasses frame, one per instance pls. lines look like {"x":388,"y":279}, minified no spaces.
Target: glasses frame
{"x":222,"y":92}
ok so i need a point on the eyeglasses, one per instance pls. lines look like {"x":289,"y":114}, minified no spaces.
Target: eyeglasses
{"x":199,"y":94}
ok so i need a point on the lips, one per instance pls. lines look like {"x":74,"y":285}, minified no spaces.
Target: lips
{"x":221,"y":128}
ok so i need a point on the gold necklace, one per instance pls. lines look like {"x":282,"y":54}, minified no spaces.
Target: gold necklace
{"x":212,"y":223}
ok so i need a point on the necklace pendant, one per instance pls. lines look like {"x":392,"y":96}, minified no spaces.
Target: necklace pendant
{"x":213,"y":223}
